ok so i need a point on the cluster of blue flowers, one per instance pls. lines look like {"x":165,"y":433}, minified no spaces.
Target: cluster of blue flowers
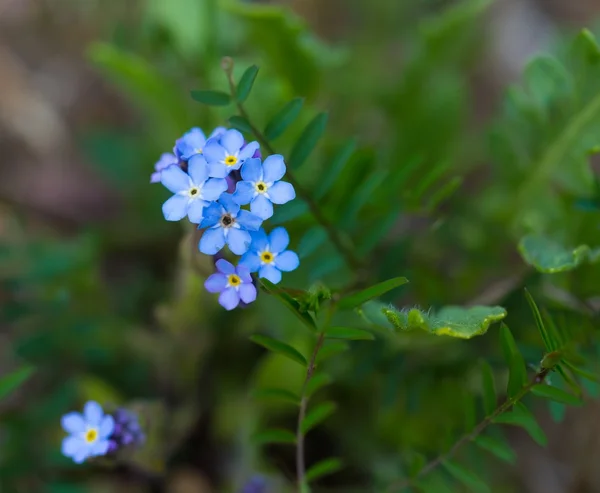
{"x":211,"y":179}
{"x":94,"y":433}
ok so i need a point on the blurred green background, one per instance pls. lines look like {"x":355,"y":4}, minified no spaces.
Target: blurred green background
{"x":106,"y":299}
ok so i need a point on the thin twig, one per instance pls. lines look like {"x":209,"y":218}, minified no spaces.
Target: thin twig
{"x":341,"y":242}
{"x":505,"y":406}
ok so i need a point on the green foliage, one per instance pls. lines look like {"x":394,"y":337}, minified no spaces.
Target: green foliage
{"x":308,"y":140}
{"x":283,"y":119}
{"x":279,"y":347}
{"x":497,"y":447}
{"x":550,"y":257}
{"x":274,"y":436}
{"x":375,"y":291}
{"x":555,"y":394}
{"x":245,"y":84}
{"x":211,"y":98}
{"x":323,"y":468}
{"x":317,"y":415}
{"x":348,"y":333}
{"x":15,"y":379}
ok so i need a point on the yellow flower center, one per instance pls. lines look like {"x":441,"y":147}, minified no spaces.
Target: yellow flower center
{"x":261,"y":187}
{"x":230,"y":160}
{"x":91,"y":435}
{"x":193,"y":191}
{"x":266,"y":257}
{"x":198,"y":150}
{"x":234,"y":280}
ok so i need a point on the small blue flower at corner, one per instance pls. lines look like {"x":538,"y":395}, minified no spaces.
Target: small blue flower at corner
{"x":261,"y":187}
{"x":227,"y":224}
{"x":193,"y":190}
{"x":166,"y":160}
{"x":193,"y":142}
{"x":268,"y":254}
{"x":234,"y":284}
{"x":89,"y":432}
{"x":228,"y":153}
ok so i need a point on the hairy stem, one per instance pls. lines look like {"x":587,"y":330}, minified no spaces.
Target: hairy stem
{"x":505,"y":406}
{"x":341,"y":242}
{"x":300,"y":466}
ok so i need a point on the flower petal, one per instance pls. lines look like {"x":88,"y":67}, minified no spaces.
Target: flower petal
{"x":176,"y":208}
{"x":279,"y":239}
{"x":214,"y":152}
{"x":249,"y":221}
{"x":70,"y":445}
{"x":93,"y":413}
{"x":271,"y":273}
{"x":214,"y":188}
{"x":287,"y":261}
{"x":229,"y":299}
{"x":82,"y":453}
{"x":99,"y":448}
{"x":225,"y":267}
{"x":281,"y":192}
{"x":232,"y":141}
{"x":196,"y":210}
{"x":198,"y":169}
{"x":217,"y":132}
{"x":244,"y":273}
{"x":73,"y":422}
{"x":260,"y":241}
{"x":212,"y":215}
{"x":155,"y":177}
{"x":166,"y":159}
{"x":273,"y":168}
{"x":248,"y":151}
{"x":238,"y":241}
{"x":261,"y":206}
{"x":107,"y":425}
{"x":212,"y":241}
{"x":252,"y":170}
{"x":218,"y":170}
{"x":244,"y":192}
{"x":247,"y":293}
{"x":191,"y":143}
{"x":175,"y":179}
{"x":228,"y":203}
{"x":251,"y":260}
{"x":215,"y":283}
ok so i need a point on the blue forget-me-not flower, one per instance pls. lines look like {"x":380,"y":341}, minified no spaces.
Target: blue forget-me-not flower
{"x":226,"y":223}
{"x":89,"y":432}
{"x":193,"y":142}
{"x":261,"y":187}
{"x":234,"y":284}
{"x":268,"y":255}
{"x":193,"y":190}
{"x":166,"y":160}
{"x":127,"y":430}
{"x":228,"y":153}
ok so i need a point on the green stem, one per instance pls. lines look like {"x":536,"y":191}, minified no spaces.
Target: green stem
{"x":505,"y":406}
{"x":341,"y":242}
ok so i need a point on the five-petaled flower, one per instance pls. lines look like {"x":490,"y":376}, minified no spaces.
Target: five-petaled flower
{"x":234,"y":283}
{"x":228,"y":153}
{"x":268,"y":254}
{"x":193,"y":190}
{"x":89,"y":433}
{"x":226,"y":223}
{"x":166,"y":160}
{"x":193,"y":142}
{"x":261,"y":187}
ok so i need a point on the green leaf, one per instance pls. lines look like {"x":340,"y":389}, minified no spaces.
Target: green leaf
{"x":276,"y":394}
{"x":508,"y":344}
{"x":592,"y":377}
{"x":333,"y":169}
{"x":274,"y":436}
{"x":521,"y":416}
{"x":375,"y":291}
{"x":245,"y":84}
{"x":279,"y":347}
{"x":317,"y":415}
{"x":323,"y":468}
{"x":289,"y":211}
{"x":211,"y":98}
{"x":555,"y":394}
{"x":283,"y":119}
{"x":537,"y":316}
{"x":497,"y":447}
{"x":308,"y":140}
{"x":550,"y":257}
{"x":311,"y":241}
{"x":316,"y":383}
{"x":348,"y":333}
{"x":453,"y":321}
{"x":490,"y":399}
{"x":11,"y":382}
{"x":289,"y":302}
{"x":240,"y":123}
{"x":517,"y":375}
{"x":466,"y":477}
{"x":331,"y":348}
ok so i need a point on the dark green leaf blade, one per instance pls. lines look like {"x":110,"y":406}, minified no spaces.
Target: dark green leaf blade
{"x":245,"y":84}
{"x":466,"y":477}
{"x":211,"y":98}
{"x":274,"y":436}
{"x":283,"y":119}
{"x":316,"y":383}
{"x":517,"y":375}
{"x":375,"y":291}
{"x":276,"y":394}
{"x":537,"y":316}
{"x":308,"y":140}
{"x":279,"y":347}
{"x":323,"y":468}
{"x":497,"y":447}
{"x":522,"y":417}
{"x":317,"y":415}
{"x":349,"y":333}
{"x":555,"y":394}
{"x":240,"y":123}
{"x":289,"y":302}
{"x":490,"y":400}
{"x":334,"y":168}
{"x":11,"y":382}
